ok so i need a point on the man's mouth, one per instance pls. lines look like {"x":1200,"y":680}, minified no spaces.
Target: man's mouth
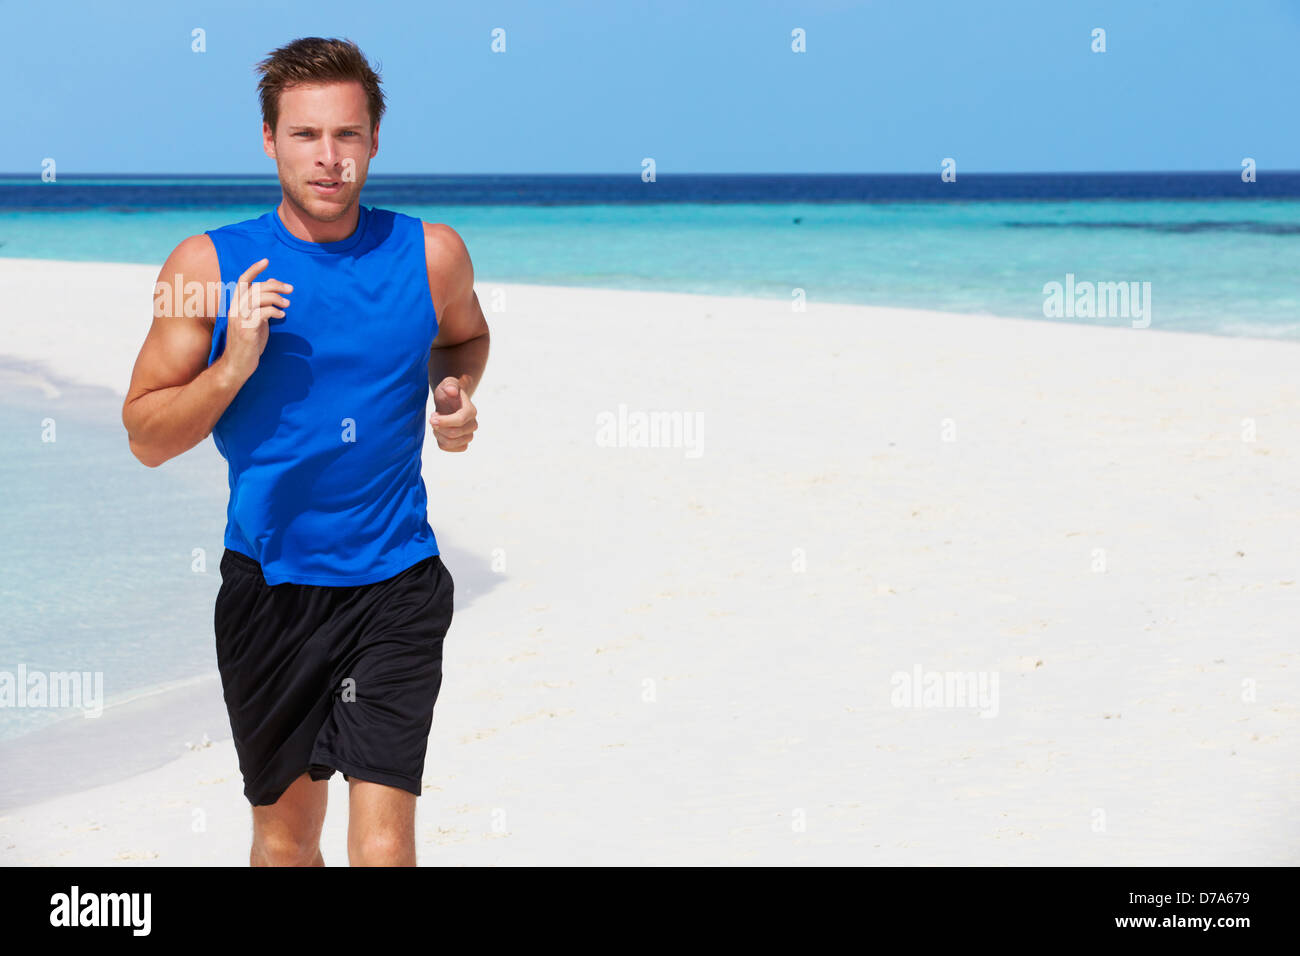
{"x":326,"y":187}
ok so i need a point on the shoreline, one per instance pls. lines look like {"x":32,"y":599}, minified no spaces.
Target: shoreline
{"x":146,"y":729}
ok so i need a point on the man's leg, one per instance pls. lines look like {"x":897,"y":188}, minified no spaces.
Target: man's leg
{"x":381,"y":824}
{"x":287,"y":832}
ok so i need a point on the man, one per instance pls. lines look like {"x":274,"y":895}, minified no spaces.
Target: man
{"x":313,"y":381}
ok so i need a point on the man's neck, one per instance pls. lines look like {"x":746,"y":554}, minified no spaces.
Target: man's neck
{"x":304,"y":227}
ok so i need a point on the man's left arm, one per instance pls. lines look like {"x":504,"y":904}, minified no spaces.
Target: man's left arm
{"x":460,"y":350}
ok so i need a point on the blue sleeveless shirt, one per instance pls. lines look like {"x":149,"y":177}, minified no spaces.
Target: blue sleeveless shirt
{"x":324,"y":440}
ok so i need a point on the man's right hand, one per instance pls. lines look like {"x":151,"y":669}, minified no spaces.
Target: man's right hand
{"x":252,"y":305}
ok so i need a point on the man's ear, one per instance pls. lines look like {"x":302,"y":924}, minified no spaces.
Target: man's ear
{"x":374,"y":142}
{"x":268,"y":141}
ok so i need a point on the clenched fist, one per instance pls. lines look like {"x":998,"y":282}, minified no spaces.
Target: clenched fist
{"x":455,"y":416}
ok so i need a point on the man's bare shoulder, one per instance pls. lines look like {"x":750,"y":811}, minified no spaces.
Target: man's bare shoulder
{"x":444,"y":247}
{"x":447,"y":260}
{"x":188,"y":284}
{"x":196,"y":258}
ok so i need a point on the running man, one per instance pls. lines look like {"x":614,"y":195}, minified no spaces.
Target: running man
{"x":309,"y":360}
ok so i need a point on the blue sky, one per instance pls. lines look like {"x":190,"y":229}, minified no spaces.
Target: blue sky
{"x":1007,"y":85}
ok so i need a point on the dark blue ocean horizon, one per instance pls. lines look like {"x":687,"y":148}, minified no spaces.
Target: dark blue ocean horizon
{"x":125,"y":193}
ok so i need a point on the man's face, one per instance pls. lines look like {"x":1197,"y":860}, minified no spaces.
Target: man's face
{"x":323,"y":136}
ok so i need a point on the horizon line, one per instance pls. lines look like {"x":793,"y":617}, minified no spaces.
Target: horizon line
{"x":1236,"y":171}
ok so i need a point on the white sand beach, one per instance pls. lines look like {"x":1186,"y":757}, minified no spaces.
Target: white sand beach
{"x":686,"y":654}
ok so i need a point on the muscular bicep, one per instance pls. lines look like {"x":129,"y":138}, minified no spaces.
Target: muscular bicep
{"x":461,"y":320}
{"x":176,"y":348}
{"x":451,"y":282}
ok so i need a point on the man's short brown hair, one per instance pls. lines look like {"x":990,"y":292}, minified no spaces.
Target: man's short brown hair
{"x":316,"y":60}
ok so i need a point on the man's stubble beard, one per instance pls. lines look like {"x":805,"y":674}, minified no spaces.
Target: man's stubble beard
{"x":318,"y":208}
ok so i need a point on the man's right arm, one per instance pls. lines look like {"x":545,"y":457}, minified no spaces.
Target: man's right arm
{"x":175,"y":398}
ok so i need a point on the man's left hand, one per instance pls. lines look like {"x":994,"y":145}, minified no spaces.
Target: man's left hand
{"x":455,"y":418}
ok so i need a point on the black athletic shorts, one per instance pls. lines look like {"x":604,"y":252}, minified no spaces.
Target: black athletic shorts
{"x":318,"y":679}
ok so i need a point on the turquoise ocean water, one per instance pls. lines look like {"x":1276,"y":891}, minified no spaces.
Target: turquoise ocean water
{"x":1213,"y":265}
{"x":109,"y":568}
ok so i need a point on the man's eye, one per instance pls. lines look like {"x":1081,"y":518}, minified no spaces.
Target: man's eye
{"x":349,"y":132}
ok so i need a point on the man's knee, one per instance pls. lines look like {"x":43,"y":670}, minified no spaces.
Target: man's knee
{"x":382,"y":846}
{"x":284,"y":849}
